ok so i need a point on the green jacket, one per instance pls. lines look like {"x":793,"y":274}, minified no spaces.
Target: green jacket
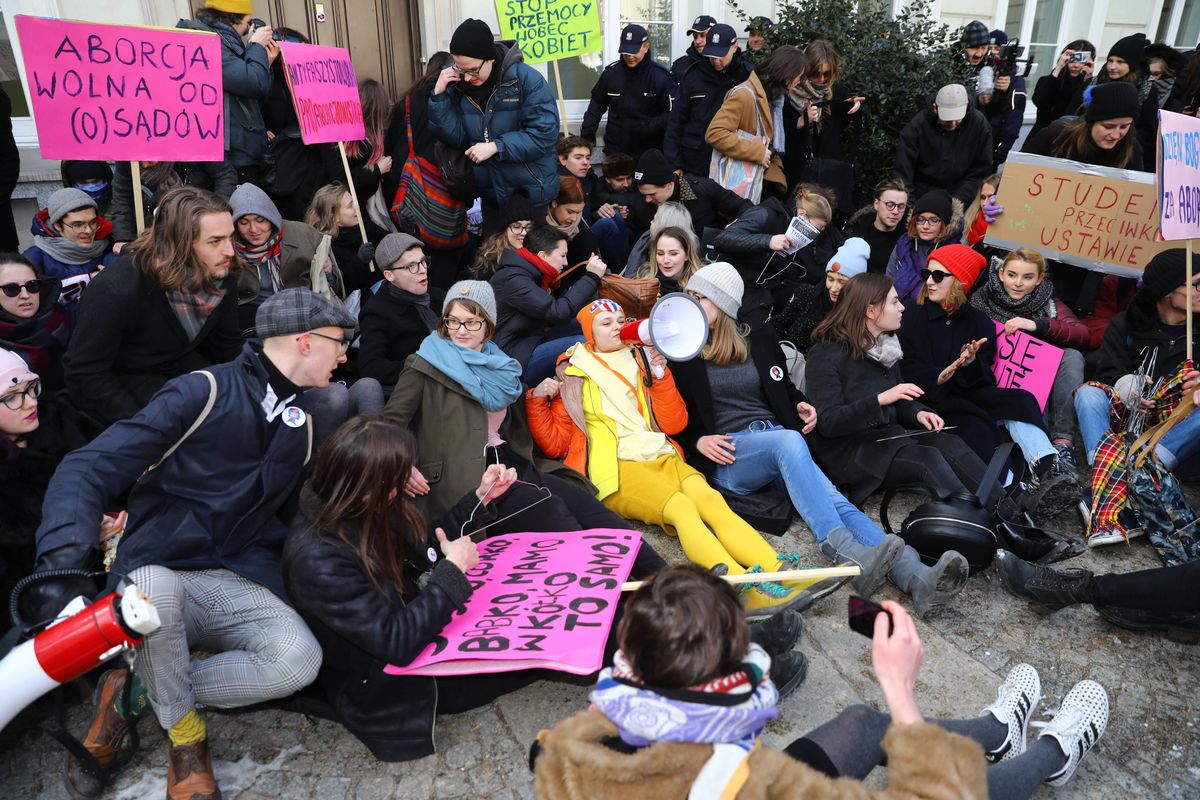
{"x":302,"y":260}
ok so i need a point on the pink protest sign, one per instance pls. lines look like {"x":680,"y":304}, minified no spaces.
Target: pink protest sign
{"x":542,"y":600}
{"x":1026,"y":362}
{"x":123,"y":93}
{"x":324,"y":92}
{"x":1178,"y":175}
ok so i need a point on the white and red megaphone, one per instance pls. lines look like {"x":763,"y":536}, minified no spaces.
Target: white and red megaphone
{"x":72,"y":645}
{"x":677,"y":327}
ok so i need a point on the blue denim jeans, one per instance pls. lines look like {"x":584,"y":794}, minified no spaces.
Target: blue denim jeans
{"x":1032,"y":440}
{"x":1179,"y":450}
{"x":772,"y":454}
{"x":612,"y":236}
{"x":545,"y":359}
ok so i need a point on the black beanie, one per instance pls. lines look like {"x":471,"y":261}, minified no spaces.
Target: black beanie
{"x":516,"y":208}
{"x":1132,"y":49}
{"x":653,"y":168}
{"x":1165,"y":273}
{"x":937,"y":201}
{"x":473,"y":39}
{"x":1111,"y":100}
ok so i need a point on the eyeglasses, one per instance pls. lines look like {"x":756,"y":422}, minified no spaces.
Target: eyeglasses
{"x":517,"y":227}
{"x":14,"y":289}
{"x":936,"y":275}
{"x":16,"y":400}
{"x":91,"y":224}
{"x":415,"y":266}
{"x":453,"y":324}
{"x":890,"y":206}
{"x":473,"y":72}
{"x":343,"y":343}
{"x":928,"y":222}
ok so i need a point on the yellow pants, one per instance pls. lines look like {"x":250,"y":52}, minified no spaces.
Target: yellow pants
{"x":669,"y":493}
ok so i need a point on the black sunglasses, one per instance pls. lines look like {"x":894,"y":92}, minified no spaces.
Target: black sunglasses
{"x":937,"y":276}
{"x":14,"y":289}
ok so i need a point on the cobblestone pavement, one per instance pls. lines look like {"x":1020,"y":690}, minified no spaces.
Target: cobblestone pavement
{"x":1151,"y":750}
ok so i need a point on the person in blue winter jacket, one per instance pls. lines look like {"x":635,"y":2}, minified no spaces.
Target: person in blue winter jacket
{"x":500,"y":112}
{"x":70,"y":239}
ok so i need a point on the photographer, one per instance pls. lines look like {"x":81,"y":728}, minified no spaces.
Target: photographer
{"x":1004,"y":105}
{"x":1061,"y":92}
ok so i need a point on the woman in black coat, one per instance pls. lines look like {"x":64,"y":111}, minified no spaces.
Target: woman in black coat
{"x":949,"y":346}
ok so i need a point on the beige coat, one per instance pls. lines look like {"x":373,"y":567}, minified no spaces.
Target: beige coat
{"x":924,"y":761}
{"x":737,"y":113}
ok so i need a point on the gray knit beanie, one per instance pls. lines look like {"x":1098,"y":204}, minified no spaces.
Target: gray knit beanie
{"x":249,"y":199}
{"x":479,"y":291}
{"x":393,"y":246}
{"x":64,"y":201}
{"x":720,"y":283}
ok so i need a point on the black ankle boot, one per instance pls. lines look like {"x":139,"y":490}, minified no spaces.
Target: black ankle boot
{"x":1034,"y":545}
{"x":1048,"y":588}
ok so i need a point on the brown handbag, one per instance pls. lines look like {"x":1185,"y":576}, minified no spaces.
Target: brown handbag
{"x":635,"y":295}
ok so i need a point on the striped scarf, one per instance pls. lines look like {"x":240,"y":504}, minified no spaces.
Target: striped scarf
{"x":193,"y":308}
{"x":264,"y":258}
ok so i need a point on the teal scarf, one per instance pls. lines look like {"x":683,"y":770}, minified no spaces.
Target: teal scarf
{"x":490,"y":376}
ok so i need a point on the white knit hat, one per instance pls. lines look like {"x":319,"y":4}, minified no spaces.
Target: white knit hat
{"x":851,"y":258}
{"x":13,"y":370}
{"x":720,"y":283}
{"x":478,"y":291}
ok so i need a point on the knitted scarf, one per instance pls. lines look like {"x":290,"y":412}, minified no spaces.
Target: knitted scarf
{"x":193,"y":307}
{"x":264,"y":258}
{"x":421,"y":302}
{"x":808,"y":92}
{"x":490,"y":376}
{"x":65,"y":251}
{"x":886,"y":351}
{"x":570,"y":231}
{"x":41,"y":340}
{"x":549,"y":273}
{"x":996,"y":303}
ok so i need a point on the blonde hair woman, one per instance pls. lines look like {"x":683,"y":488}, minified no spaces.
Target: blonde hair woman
{"x":673,"y":260}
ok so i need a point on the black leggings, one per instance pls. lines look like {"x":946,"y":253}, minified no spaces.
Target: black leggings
{"x":1162,"y":589}
{"x":938,"y":460}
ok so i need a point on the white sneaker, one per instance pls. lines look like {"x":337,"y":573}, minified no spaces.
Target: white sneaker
{"x":1080,"y":722}
{"x":1107,"y":536}
{"x":1015,"y":702}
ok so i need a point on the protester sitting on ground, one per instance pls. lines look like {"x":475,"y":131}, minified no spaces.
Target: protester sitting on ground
{"x":758,"y":244}
{"x":278,"y":254}
{"x":36,"y":430}
{"x":1147,"y":339}
{"x":32,"y":323}
{"x":566,"y":215}
{"x":677,"y":703}
{"x":1060,"y":92}
{"x":1018,"y":295}
{"x":158,"y":177}
{"x":752,"y":106}
{"x":809,"y":303}
{"x":461,"y":396}
{"x":947,"y":146}
{"x":245,"y":78}
{"x":517,"y":219}
{"x":332,"y":212}
{"x":70,"y":239}
{"x":612,"y":201}
{"x":673,"y":261}
{"x":1162,"y":599}
{"x":949,"y":347}
{"x":745,"y":431}
{"x":397,"y":318}
{"x":575,"y":160}
{"x":879,"y":223}
{"x":710,"y":204}
{"x":669,"y":215}
{"x":501,"y":113}
{"x":1127,"y":63}
{"x":533,"y":325}
{"x":984,"y":209}
{"x":610,"y":417}
{"x":166,"y":307}
{"x":1103,"y":136}
{"x":936,"y":218}
{"x":94,"y":178}
{"x":209,"y":466}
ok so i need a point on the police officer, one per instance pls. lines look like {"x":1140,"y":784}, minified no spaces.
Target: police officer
{"x":756,"y":42}
{"x":701,"y":91}
{"x":699,"y":29}
{"x":638,"y":94}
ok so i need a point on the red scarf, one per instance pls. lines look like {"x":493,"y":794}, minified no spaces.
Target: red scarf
{"x":549,"y":273}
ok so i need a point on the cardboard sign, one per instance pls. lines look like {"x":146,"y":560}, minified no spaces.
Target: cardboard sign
{"x":1026,"y":362}
{"x":123,"y":93}
{"x":541,"y":600}
{"x":1179,"y":175}
{"x":547,"y":30}
{"x":324,"y":93}
{"x":1093,"y":217}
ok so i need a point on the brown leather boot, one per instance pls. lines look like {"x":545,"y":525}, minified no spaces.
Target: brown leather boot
{"x":103,"y":738}
{"x":190,"y":773}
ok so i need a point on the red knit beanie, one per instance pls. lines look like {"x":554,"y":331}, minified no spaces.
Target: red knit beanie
{"x":587,"y":315}
{"x":961,"y":261}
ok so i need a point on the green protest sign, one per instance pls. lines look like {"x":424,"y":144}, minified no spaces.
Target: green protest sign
{"x":547,"y":30}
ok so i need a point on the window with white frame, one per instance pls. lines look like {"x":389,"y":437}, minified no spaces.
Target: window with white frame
{"x":1179,"y":23}
{"x":1037,"y":23}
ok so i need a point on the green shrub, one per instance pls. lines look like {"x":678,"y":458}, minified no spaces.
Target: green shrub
{"x":894,"y":63}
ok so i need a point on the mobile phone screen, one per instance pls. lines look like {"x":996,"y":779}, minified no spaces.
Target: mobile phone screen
{"x":861,"y":616}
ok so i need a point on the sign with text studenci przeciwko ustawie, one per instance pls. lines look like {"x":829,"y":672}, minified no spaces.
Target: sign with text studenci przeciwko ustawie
{"x":123,"y":93}
{"x":547,"y":30}
{"x":1178,"y":160}
{"x":324,"y":92}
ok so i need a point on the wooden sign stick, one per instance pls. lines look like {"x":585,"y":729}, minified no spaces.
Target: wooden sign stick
{"x":1190,"y":291}
{"x":761,"y":577}
{"x":139,"y":206}
{"x":562,"y":103}
{"x":354,"y":196}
